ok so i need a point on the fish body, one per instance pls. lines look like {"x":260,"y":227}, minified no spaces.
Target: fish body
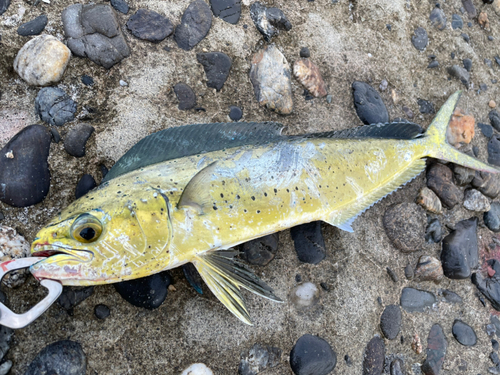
{"x":195,"y":207}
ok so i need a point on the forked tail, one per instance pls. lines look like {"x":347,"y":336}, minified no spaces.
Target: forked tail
{"x":438,"y":147}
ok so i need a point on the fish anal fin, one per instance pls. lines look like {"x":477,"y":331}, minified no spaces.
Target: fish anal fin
{"x":196,"y":194}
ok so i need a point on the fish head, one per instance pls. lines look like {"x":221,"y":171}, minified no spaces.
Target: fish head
{"x":105,"y":237}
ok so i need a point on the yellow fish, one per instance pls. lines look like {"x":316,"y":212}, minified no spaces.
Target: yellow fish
{"x":191,"y":194}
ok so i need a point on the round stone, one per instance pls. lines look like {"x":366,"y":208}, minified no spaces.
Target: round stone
{"x":312,"y":355}
{"x":54,"y":106}
{"x":373,"y":362}
{"x":235,"y":113}
{"x":148,"y":25}
{"x":390,"y":321}
{"x":101,"y":311}
{"x":76,"y":139}
{"x":404,"y":224}
{"x":464,"y":334}
{"x":492,"y":217}
{"x":148,"y":292}
{"x":197,"y":369}
{"x":61,"y":357}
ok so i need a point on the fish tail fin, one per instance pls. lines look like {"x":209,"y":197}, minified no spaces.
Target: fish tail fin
{"x":438,"y":147}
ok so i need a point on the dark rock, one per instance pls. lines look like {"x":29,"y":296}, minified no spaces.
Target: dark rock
{"x":59,"y":358}
{"x":148,"y":292}
{"x":261,"y":250}
{"x":54,"y":106}
{"x":33,"y":27}
{"x":433,"y":64}
{"x":494,"y":344}
{"x":195,"y":24}
{"x":55,"y":134}
{"x":456,"y":22}
{"x":268,"y":21}
{"x":193,"y":277}
{"x":429,"y":269}
{"x":4,"y":5}
{"x":438,"y":19}
{"x":369,"y":105}
{"x":404,"y":225}
{"x":2,"y":216}
{"x":227,"y":10}
{"x":486,"y":129}
{"x":73,"y":296}
{"x":489,"y":286}
{"x":439,"y":180}
{"x":87,"y":80}
{"x":304,"y":52}
{"x":25,"y":177}
{"x":397,"y":367}
{"x":85,"y":184}
{"x":470,"y":8}
{"x":413,"y":300}
{"x":235,"y":113}
{"x":390,"y":321}
{"x":312,"y":355}
{"x":309,"y":242}
{"x":148,"y":25}
{"x":373,"y":362}
{"x":434,"y":231}
{"x":425,"y":106}
{"x":409,"y":272}
{"x":101,"y":311}
{"x":475,"y":151}
{"x":259,"y":359}
{"x":487,"y":183}
{"x":185,"y":95}
{"x":494,"y":117}
{"x":494,"y":150}
{"x":436,"y":351}
{"x":451,"y":297}
{"x":463,"y":333}
{"x":492,"y":217}
{"x":120,"y":5}
{"x":497,"y":60}
{"x":460,"y":73}
{"x":494,"y":358}
{"x":75,"y":140}
{"x":460,"y":251}
{"x":217,"y":66}
{"x":466,"y":37}
{"x":392,"y":275}
{"x":104,"y":170}
{"x":488,"y":63}
{"x":348,"y":360}
{"x":467,"y":64}
{"x":492,"y":328}
{"x":420,"y":40}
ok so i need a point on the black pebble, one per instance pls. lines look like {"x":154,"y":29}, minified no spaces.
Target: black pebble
{"x":54,"y":106}
{"x":148,"y":25}
{"x":55,"y":134}
{"x":85,"y":184}
{"x":494,"y":117}
{"x":347,"y":360}
{"x":492,"y":217}
{"x":235,"y":113}
{"x":460,"y":250}
{"x":486,"y":129}
{"x":227,"y":10}
{"x":420,"y":39}
{"x":104,"y":170}
{"x":390,"y":321}
{"x":261,"y":250}
{"x":33,"y":27}
{"x":433,"y":64}
{"x":185,"y":95}
{"x":436,"y":350}
{"x":489,"y":286}
{"x":87,"y":80}
{"x":312,"y":355}
{"x":425,"y":106}
{"x":73,"y":296}
{"x":434,"y":231}
{"x":494,"y":344}
{"x":25,"y":178}
{"x":268,"y":20}
{"x":298,"y":278}
{"x":497,"y":60}
{"x":1,"y":218}
{"x":451,"y":297}
{"x":467,"y":64}
{"x":61,"y":357}
{"x":120,"y":5}
{"x":373,"y":362}
{"x":304,"y":52}
{"x":392,"y":274}
{"x":416,"y":300}
{"x":369,"y":105}
{"x":488,"y":62}
{"x":309,"y":242}
{"x":148,"y":292}
{"x":195,"y":23}
{"x":465,"y":37}
{"x":494,"y":150}
{"x":193,"y":277}
{"x":101,"y":311}
{"x":389,"y":27}
{"x":452,"y":55}
{"x":475,"y":151}
{"x":4,"y":5}
{"x":456,"y":22}
{"x":494,"y":358}
{"x":463,"y":333}
{"x":397,"y":367}
{"x":75,"y":140}
{"x":409,"y":274}
{"x":217,"y":66}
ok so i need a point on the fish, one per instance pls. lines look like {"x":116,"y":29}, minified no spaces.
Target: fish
{"x":191,"y":194}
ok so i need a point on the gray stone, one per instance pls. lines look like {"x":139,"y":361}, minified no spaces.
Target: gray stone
{"x":61,"y":357}
{"x":438,"y":19}
{"x":492,"y":217}
{"x":33,"y":27}
{"x":404,"y":224}
{"x":460,"y":255}
{"x":420,"y":39}
{"x":120,"y":5}
{"x":228,"y":10}
{"x":494,"y":117}
{"x":456,"y":21}
{"x":54,"y":106}
{"x":185,"y":95}
{"x":413,"y":300}
{"x":195,"y":24}
{"x":4,"y":5}
{"x":370,"y":107}
{"x":494,"y":150}
{"x":390,"y":321}
{"x":460,"y":73}
{"x":148,"y":25}
{"x":259,"y":359}
{"x":464,"y":333}
{"x":475,"y":201}
{"x":269,"y":21}
{"x":217,"y":66}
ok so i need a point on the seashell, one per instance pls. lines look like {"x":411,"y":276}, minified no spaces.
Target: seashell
{"x":416,"y":344}
{"x":429,"y":200}
{"x":308,"y":74}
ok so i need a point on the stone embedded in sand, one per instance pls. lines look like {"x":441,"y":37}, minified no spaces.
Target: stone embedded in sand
{"x":434,"y":231}
{"x":61,"y":357}
{"x":308,"y":74}
{"x":33,"y":27}
{"x":76,"y":139}
{"x":270,"y":76}
{"x":197,"y":369}
{"x":309,"y":242}
{"x":460,"y":250}
{"x":492,"y":217}
{"x":489,"y":285}
{"x":429,"y":200}
{"x":373,"y":362}
{"x":460,"y":129}
{"x":13,"y":246}
{"x":260,"y":251}
{"x":217,"y":66}
{"x":312,"y":355}
{"x":440,"y":180}
{"x":148,"y":25}
{"x":429,"y":269}
{"x":475,"y":201}
{"x":483,"y":21}
{"x":4,"y":5}
{"x":438,"y":19}
{"x":269,"y":21}
{"x":436,"y":351}
{"x":259,"y":359}
{"x":85,"y":184}
{"x":460,"y":73}
{"x":464,"y":333}
{"x":54,"y":106}
{"x":370,"y":107}
{"x":413,"y":300}
{"x":195,"y":24}
{"x":227,"y":10}
{"x":185,"y":95}
{"x":42,"y":61}
{"x":305,"y":295}
{"x":420,"y":39}
{"x":390,"y":321}
{"x":404,"y":224}
{"x":494,"y":150}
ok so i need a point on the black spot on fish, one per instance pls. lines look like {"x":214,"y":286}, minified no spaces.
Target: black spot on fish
{"x":237,"y":197}
{"x":215,"y":208}
{"x":287,"y":190}
{"x":258,"y":211}
{"x":245,"y":210}
{"x":118,"y":192}
{"x":221,"y":195}
{"x":275,"y":191}
{"x":265,"y":194}
{"x":253,"y":198}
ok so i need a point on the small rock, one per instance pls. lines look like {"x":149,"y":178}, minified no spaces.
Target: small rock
{"x":460,"y":129}
{"x":492,"y":217}
{"x":420,"y":40}
{"x":409,"y":272}
{"x":475,"y":201}
{"x":487,"y":183}
{"x":42,"y":60}
{"x":268,"y":21}
{"x":308,"y":74}
{"x":434,"y":232}
{"x":73,"y":296}
{"x":404,"y":225}
{"x":193,"y":277}
{"x":195,"y":24}
{"x":185,"y":95}
{"x":148,"y":292}
{"x":304,"y":52}
{"x":197,"y":369}
{"x":483,"y":21}
{"x":429,"y":269}
{"x":489,"y":286}
{"x":438,"y":19}
{"x":429,"y":200}
{"x":85,"y":184}
{"x":456,"y":22}
{"x":460,"y":250}
{"x":87,"y":80}
{"x":235,"y":113}
{"x":470,"y":8}
{"x":2,"y":216}
{"x":148,"y":25}
{"x":425,"y":106}
{"x":475,"y":151}
{"x":305,"y":295}
{"x":390,"y":321}
{"x":383,"y":86}
{"x":463,"y":333}
{"x":488,"y":63}
{"x":312,"y":355}
{"x":495,"y":344}
{"x":369,"y":105}
{"x":4,"y":5}
{"x":491,"y":103}
{"x":494,"y":150}
{"x":413,"y":300}
{"x":309,"y":242}
{"x":408,"y":112}
{"x":451,"y":297}
{"x":261,"y":250}
{"x":397,"y":367}
{"x":416,"y":344}
{"x":120,"y":5}
{"x":77,"y":137}
{"x":486,"y":129}
{"x":61,"y":357}
{"x":439,"y":180}
{"x":392,"y":275}
{"x":227,"y":10}
{"x":494,"y":117}
{"x":467,"y":64}
{"x":101,"y":311}
{"x":373,"y":362}
{"x":259,"y":359}
{"x":436,"y":351}
{"x":491,"y":329}
{"x":123,"y":83}
{"x":54,"y":106}
{"x":33,"y":27}
{"x":217,"y":66}
{"x":270,"y":76}
{"x":460,"y":73}
{"x":13,"y":246}
{"x":433,"y":64}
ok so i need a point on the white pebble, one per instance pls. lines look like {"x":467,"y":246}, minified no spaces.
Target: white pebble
{"x":197,"y":369}
{"x":13,"y":245}
{"x":305,"y":294}
{"x":123,"y":83}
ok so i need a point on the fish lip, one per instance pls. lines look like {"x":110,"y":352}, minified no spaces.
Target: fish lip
{"x":50,"y":250}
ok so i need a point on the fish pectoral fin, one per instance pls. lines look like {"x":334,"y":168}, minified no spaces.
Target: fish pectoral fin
{"x":224,"y":276}
{"x":196,"y":195}
{"x":346,"y":226}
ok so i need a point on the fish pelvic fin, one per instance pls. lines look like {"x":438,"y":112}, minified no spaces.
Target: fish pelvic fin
{"x":225,"y":276}
{"x":437,"y":146}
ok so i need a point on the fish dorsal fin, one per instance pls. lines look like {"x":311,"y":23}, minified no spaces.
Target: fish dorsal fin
{"x":196,"y":195}
{"x":174,"y":143}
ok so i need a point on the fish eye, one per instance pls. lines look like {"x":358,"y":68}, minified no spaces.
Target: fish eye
{"x":86,"y":228}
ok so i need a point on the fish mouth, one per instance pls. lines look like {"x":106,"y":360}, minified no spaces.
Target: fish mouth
{"x":48,"y":251}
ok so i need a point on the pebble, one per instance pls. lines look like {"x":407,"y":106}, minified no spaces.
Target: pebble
{"x":487,"y":183}
{"x":101,"y":311}
{"x":469,"y":8}
{"x":491,"y":103}
{"x":383,"y":85}
{"x":460,"y":73}
{"x":416,"y":344}
{"x":261,"y":250}
{"x":195,"y":24}
{"x":390,"y":321}
{"x":456,"y":22}
{"x":451,"y":297}
{"x":467,"y":64}
{"x":25,"y":178}
{"x":433,"y":64}
{"x":475,"y":201}
{"x":312,"y":355}
{"x":308,"y":74}
{"x":227,"y":10}
{"x":76,"y":139}
{"x":429,"y":269}
{"x":148,"y":292}
{"x":2,"y":216}
{"x":123,"y":83}
{"x":420,"y":39}
{"x":461,"y":128}
{"x":425,"y":106}
{"x":434,"y":231}
{"x":5,"y":340}
{"x":495,"y":344}
{"x":488,"y":63}
{"x":185,"y":96}
{"x":409,"y":274}
{"x":408,"y":112}
{"x":259,"y":359}
{"x":483,"y":21}
{"x":269,"y":21}
{"x":197,"y":369}
{"x":413,"y":300}
{"x":217,"y":66}
{"x":463,"y":333}
{"x":235,"y":113}
{"x":42,"y":60}
{"x":4,"y":5}
{"x":404,"y":225}
{"x":369,"y":105}
{"x":93,"y":31}
{"x":193,"y":277}
{"x":491,"y":329}
{"x":13,"y":246}
{"x":270,"y":76}
{"x":460,"y":250}
{"x":439,"y":180}
{"x":148,"y":25}
{"x":436,"y":351}
{"x":492,"y":217}
{"x":73,"y":296}
{"x":54,"y":106}
{"x":489,"y":286}
{"x":120,"y":5}
{"x":494,"y":150}
{"x":467,"y":39}
{"x":33,"y":27}
{"x":309,"y":242}
{"x":438,"y":19}
{"x":429,"y":200}
{"x":494,"y":117}
{"x":494,"y":358}
{"x":397,"y":367}
{"x":87,"y":80}
{"x":394,"y":277}
{"x":85,"y":184}
{"x":304,"y":52}
{"x":374,"y":356}
{"x":61,"y":357}
{"x":305,"y":295}
{"x":486,"y":129}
